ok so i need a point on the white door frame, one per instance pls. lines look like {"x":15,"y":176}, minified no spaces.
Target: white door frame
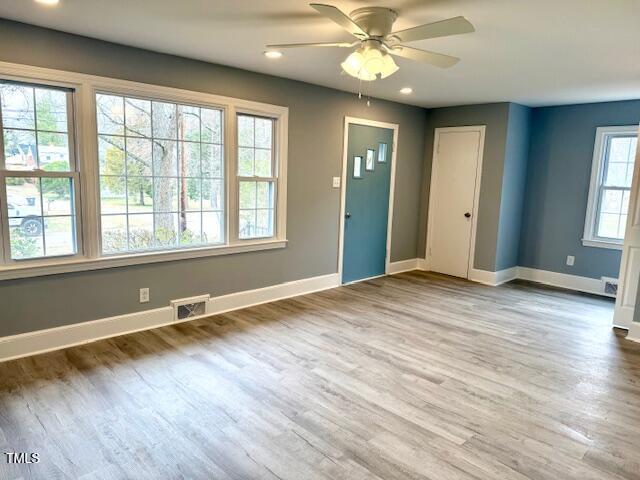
{"x":343,"y":184}
{"x":628,"y":278}
{"x":476,"y":197}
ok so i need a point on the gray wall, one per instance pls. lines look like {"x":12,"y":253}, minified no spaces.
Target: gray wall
{"x":560,"y":156}
{"x":495,"y":116}
{"x":315,"y":150}
{"x":514,"y":180}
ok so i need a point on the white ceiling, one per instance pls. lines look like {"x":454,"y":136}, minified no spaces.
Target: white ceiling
{"x":534,"y":52}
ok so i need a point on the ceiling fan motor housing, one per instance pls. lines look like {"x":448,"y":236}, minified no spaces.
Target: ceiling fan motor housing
{"x":375,"y":21}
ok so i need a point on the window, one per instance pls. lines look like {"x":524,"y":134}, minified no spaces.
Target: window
{"x":357,"y":167}
{"x":38,"y":172}
{"x":161,"y":174}
{"x":382,"y":152}
{"x":370,"y":163}
{"x":612,"y":172}
{"x":98,"y":173}
{"x":257,"y":177}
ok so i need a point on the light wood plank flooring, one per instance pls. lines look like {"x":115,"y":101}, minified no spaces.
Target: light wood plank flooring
{"x":407,"y":377}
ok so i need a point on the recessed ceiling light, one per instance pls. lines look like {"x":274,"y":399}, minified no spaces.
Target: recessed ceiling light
{"x":48,"y":2}
{"x":406,"y":90}
{"x":272,"y":54}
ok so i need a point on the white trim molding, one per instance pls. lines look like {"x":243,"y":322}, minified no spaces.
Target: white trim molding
{"x":601,"y":244}
{"x":493,"y":278}
{"x":634,"y":332}
{"x":423,"y":264}
{"x":83,"y":264}
{"x":562,"y":280}
{"x":42,"y":341}
{"x":404,"y":266}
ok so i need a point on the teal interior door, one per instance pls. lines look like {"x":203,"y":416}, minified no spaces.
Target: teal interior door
{"x":366,"y":202}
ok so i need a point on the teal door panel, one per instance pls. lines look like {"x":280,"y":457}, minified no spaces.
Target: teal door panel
{"x":367,"y":202}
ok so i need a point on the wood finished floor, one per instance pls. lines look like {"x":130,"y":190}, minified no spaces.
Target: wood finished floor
{"x":407,"y":377}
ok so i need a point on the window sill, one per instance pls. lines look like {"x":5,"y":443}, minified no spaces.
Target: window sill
{"x":84,"y":264}
{"x":602,"y":244}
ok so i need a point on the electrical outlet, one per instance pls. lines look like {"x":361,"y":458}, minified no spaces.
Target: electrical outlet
{"x":571,"y":260}
{"x":336,"y":182}
{"x":144,"y":295}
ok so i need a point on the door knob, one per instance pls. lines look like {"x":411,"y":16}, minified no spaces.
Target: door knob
{"x":468,"y":215}
{"x":347,"y":215}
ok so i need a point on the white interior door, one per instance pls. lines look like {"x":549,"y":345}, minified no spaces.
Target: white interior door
{"x":453,"y":199}
{"x":630,"y":265}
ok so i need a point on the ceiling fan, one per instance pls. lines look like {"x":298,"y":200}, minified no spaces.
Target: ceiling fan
{"x":372,"y":27}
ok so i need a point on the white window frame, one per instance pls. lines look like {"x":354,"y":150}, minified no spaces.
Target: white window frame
{"x":590,"y":239}
{"x":223,"y":109}
{"x":275,"y":175}
{"x":73,"y":174}
{"x":89,"y":255}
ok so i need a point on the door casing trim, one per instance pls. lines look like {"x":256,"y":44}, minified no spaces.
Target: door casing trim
{"x":343,"y":184}
{"x":481,"y":129}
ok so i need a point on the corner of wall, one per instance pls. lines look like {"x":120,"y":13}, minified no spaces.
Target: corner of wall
{"x":513,"y":190}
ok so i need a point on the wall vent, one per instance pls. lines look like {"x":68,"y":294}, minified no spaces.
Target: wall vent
{"x":609,"y":286}
{"x":193,"y":307}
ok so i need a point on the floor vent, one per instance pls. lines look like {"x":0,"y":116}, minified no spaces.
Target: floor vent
{"x":194,"y":307}
{"x":610,"y":286}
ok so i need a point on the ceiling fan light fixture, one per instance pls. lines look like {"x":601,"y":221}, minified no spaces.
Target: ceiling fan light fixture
{"x":389,"y":67}
{"x":373,"y":61}
{"x":367,"y":64}
{"x":372,"y":28}
{"x":353,"y":63}
{"x":366,"y":76}
{"x":354,"y":66}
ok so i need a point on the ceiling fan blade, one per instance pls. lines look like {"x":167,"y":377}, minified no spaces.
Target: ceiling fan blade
{"x":452,"y":26}
{"x":340,"y":18}
{"x":424,"y":56}
{"x":329,"y":44}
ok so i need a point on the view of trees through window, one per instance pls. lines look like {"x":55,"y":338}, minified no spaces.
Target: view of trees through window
{"x":161,"y":174}
{"x":256,"y":177}
{"x":40,"y":207}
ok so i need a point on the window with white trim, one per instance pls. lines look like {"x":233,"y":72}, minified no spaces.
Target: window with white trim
{"x":166,"y":173}
{"x":38,"y":172}
{"x":612,"y":172}
{"x":161,"y":174}
{"x":257,"y":176}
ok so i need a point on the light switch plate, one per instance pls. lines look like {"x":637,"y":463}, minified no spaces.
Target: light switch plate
{"x":144,"y":295}
{"x":571,"y":260}
{"x":336,"y":182}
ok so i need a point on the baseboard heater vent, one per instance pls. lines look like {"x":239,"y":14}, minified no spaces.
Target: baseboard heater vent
{"x":194,"y":307}
{"x":610,"y":286}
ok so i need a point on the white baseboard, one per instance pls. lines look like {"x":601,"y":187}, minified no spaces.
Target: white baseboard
{"x":249,"y":298}
{"x":634,"y":332}
{"x":42,"y":341}
{"x":403,"y":266}
{"x":562,"y":280}
{"x":423,"y":264}
{"x":493,"y":278}
{"x":623,"y":317}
